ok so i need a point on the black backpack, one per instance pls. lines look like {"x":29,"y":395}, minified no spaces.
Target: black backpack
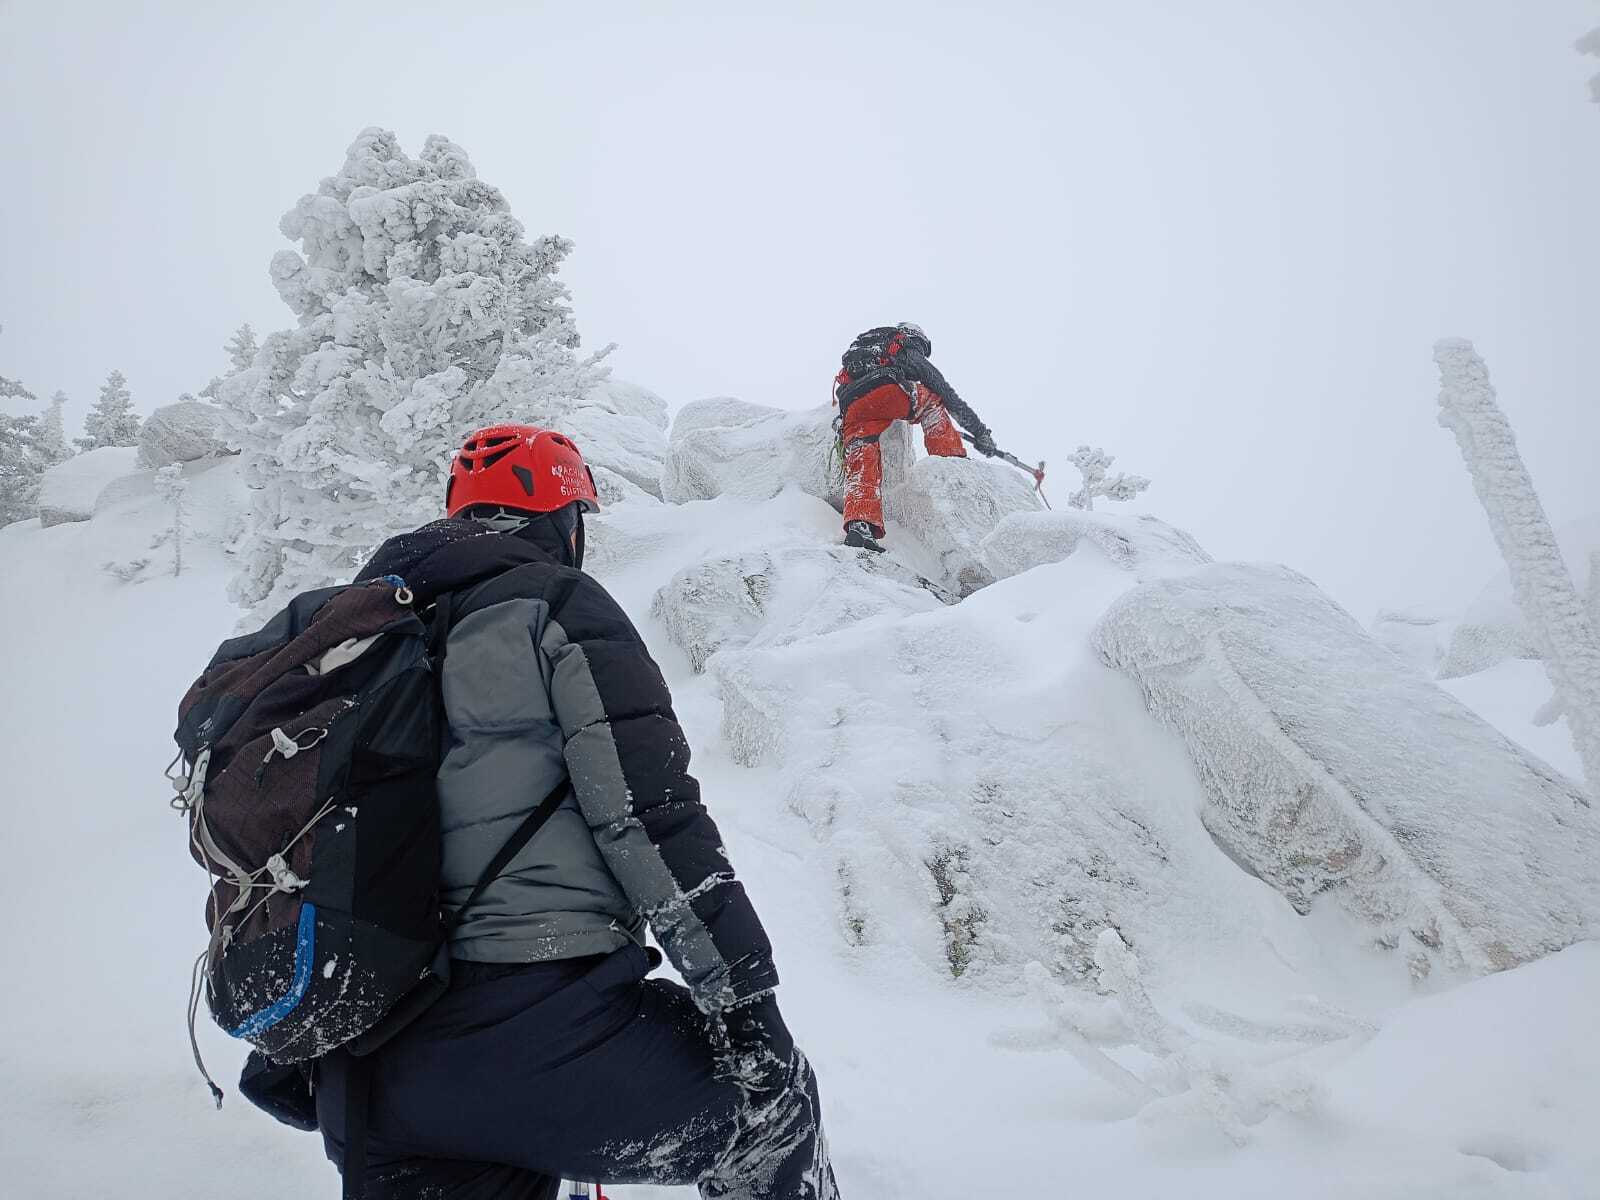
{"x":311,"y":748}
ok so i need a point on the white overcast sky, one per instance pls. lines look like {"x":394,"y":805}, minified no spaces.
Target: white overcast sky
{"x":1218,"y":238}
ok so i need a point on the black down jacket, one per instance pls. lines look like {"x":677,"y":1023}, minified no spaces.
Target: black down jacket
{"x":545,"y":677}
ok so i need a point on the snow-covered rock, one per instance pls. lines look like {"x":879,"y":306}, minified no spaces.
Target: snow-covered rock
{"x":951,"y":505}
{"x":982,"y":792}
{"x":621,"y":427}
{"x":181,"y":432}
{"x":1142,"y":544}
{"x":1418,"y":636}
{"x":772,"y":598}
{"x":1330,"y":768}
{"x":726,"y":446}
{"x":69,"y":489}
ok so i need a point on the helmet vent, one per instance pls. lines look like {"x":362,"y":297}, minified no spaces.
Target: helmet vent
{"x":489,"y":460}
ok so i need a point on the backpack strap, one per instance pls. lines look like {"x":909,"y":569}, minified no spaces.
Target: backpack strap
{"x":531,"y":824}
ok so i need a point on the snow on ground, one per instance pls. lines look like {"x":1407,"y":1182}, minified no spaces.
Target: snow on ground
{"x":1340,"y":1077}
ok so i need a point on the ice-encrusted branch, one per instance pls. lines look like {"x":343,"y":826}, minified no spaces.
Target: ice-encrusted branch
{"x":1093,"y":463}
{"x":1560,"y":620}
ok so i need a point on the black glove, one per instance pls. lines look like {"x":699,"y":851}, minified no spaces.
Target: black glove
{"x":754,"y":1048}
{"x":983,"y":443}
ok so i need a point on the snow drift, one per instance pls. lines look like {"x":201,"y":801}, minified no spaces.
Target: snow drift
{"x":69,"y":489}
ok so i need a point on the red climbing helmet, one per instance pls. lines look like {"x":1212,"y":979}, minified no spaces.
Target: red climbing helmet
{"x":519,"y":466}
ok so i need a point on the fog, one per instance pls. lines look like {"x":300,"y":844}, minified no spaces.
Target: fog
{"x":1217,"y":239}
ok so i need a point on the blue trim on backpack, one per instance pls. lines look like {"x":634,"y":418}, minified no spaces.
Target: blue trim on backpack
{"x":305,"y":946}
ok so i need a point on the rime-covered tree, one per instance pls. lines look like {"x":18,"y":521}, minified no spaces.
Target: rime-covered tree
{"x":1558,"y":617}
{"x":1589,"y":43}
{"x":171,"y":486}
{"x":422,"y":312}
{"x":112,"y":421}
{"x":241,"y":351}
{"x":53,"y":430}
{"x":1094,"y":463}
{"x":11,"y":389}
{"x":22,"y":462}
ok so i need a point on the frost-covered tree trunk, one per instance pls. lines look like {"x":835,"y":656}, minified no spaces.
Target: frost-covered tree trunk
{"x":53,"y":431}
{"x":112,"y":421}
{"x":171,"y":486}
{"x":1558,"y":617}
{"x":422,"y":312}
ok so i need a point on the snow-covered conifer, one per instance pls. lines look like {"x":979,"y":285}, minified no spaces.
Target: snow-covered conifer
{"x":22,"y":462}
{"x":241,"y":348}
{"x":423,"y":312}
{"x":1093,"y":464}
{"x":241,"y":351}
{"x":112,"y":421}
{"x":11,"y":389}
{"x":53,"y":431}
{"x":1557,"y":616}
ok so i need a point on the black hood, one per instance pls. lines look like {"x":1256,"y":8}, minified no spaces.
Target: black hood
{"x":450,"y":554}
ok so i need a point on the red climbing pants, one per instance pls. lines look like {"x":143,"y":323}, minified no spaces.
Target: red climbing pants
{"x":864,"y":422}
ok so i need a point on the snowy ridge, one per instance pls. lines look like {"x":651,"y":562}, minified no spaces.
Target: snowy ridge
{"x":989,"y":871}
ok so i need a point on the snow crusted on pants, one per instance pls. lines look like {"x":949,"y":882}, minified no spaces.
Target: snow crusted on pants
{"x":580,"y":1069}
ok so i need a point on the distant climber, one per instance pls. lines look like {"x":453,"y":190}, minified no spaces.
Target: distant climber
{"x":886,"y":377}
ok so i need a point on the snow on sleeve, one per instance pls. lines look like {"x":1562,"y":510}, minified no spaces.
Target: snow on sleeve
{"x":1331,"y":769}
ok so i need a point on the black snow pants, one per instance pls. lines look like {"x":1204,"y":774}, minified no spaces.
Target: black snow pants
{"x":578,"y":1069}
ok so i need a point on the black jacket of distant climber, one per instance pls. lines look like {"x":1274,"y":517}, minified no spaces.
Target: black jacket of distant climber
{"x":881,"y":356}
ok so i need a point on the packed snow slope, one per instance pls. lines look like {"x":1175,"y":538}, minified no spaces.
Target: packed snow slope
{"x":1010,"y":942}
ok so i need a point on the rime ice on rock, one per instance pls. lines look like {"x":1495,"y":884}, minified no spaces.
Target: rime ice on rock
{"x":951,"y":505}
{"x":1142,"y":544}
{"x":181,"y":432}
{"x":781,"y":596}
{"x":725,"y":446}
{"x":1331,"y":768}
{"x":622,"y":428}
{"x":1416,"y":636}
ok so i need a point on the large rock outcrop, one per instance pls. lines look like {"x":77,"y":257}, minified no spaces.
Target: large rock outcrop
{"x":951,"y":506}
{"x":725,"y":446}
{"x":1144,"y":545}
{"x":1329,"y":768}
{"x":186,"y":431}
{"x":621,"y":429}
{"x":772,"y":598}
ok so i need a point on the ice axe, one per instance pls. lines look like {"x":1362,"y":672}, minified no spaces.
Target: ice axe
{"x":1036,"y":472}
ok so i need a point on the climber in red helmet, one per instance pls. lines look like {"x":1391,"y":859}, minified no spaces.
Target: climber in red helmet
{"x":552,"y":1055}
{"x":886,"y":377}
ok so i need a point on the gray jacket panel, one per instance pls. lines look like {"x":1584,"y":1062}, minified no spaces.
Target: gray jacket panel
{"x":557,"y":898}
